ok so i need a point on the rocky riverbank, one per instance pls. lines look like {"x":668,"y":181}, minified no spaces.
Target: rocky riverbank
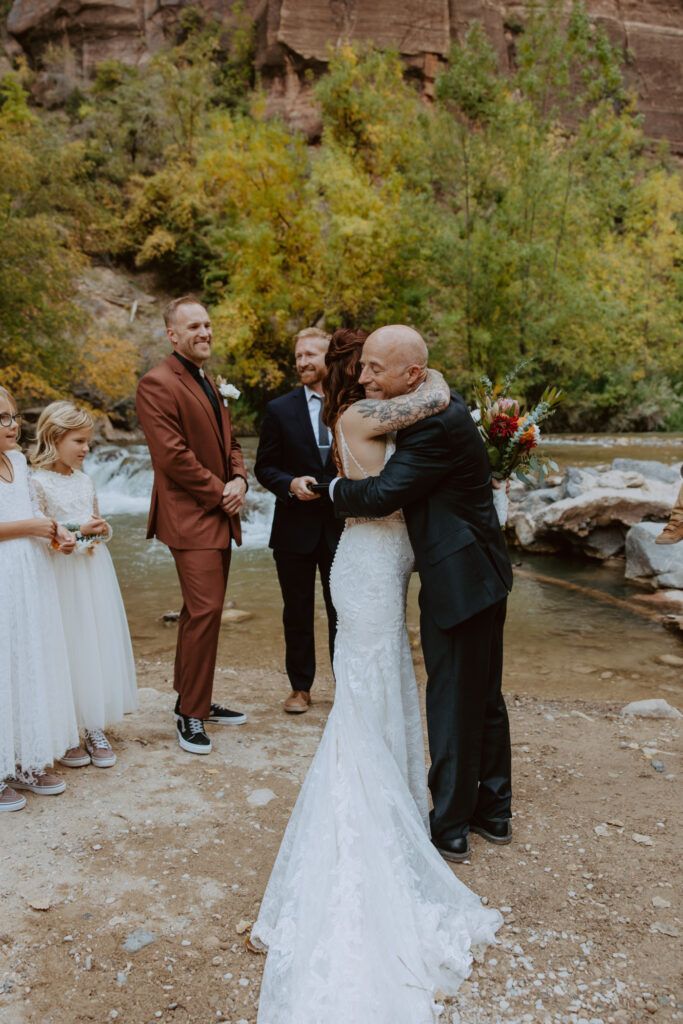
{"x":607,"y":512}
{"x":128,"y":898}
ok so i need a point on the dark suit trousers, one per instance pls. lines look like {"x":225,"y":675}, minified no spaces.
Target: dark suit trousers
{"x":296,"y":573}
{"x":203,"y":576}
{"x":467,"y":722}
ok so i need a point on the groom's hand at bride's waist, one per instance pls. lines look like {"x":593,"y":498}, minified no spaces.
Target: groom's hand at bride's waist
{"x":233,"y":495}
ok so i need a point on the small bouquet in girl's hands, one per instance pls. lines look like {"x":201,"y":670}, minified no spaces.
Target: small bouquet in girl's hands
{"x":89,"y":534}
{"x":512,"y":434}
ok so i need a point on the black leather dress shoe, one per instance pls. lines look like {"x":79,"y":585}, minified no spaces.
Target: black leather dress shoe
{"x":455,"y":849}
{"x":495,"y":831}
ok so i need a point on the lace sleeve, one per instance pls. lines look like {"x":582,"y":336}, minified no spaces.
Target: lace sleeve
{"x":38,"y":498}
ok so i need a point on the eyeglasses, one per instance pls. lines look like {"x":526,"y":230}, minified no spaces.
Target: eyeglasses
{"x":8,"y":418}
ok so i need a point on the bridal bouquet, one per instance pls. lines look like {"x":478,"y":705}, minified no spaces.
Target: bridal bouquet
{"x":512,"y":434}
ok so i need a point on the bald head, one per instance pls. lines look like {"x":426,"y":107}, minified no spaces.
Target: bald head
{"x":402,"y":343}
{"x":394,"y":361}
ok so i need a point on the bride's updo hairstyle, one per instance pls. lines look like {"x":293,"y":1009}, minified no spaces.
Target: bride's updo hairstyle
{"x":56,"y":420}
{"x":343,"y":370}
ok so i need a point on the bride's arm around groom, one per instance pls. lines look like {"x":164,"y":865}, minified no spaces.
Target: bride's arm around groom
{"x":440,"y":477}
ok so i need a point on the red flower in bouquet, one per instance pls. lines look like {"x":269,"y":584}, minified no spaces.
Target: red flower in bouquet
{"x":503,"y":426}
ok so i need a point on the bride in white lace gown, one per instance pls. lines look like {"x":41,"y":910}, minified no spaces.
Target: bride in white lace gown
{"x":362,"y":919}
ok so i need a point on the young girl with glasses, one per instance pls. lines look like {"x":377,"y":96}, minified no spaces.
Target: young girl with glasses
{"x":98,"y":641}
{"x":38,"y":718}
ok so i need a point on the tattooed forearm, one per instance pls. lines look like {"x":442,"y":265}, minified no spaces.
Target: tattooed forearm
{"x":396,"y":417}
{"x":402,"y":411}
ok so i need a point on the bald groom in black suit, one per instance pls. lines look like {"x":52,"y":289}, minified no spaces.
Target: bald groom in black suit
{"x":441,"y":478}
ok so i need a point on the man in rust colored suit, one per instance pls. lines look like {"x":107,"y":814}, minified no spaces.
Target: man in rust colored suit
{"x":199,"y":488}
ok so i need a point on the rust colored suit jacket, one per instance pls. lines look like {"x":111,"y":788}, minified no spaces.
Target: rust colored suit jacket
{"x":192,"y":459}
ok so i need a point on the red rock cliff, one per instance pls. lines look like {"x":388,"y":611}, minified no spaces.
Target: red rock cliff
{"x":295,"y":34}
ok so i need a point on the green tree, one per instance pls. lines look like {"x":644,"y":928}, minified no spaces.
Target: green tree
{"x":38,"y":260}
{"x":561,"y":235}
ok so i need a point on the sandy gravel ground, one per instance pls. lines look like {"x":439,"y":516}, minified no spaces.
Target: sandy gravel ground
{"x":175,"y":850}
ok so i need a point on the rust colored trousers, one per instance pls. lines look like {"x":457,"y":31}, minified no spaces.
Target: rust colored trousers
{"x":203,"y":576}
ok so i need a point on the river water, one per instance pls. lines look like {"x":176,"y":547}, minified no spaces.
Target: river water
{"x":559,"y":643}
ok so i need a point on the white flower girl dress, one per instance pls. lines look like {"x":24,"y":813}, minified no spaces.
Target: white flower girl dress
{"x":98,"y":640}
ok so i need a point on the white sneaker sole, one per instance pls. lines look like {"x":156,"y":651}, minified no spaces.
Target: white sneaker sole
{"x":31,"y":787}
{"x":74,"y":762}
{"x":13,"y":805}
{"x":104,"y":762}
{"x":191,"y":748}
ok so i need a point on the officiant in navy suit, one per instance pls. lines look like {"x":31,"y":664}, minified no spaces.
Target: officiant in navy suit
{"x":294,"y":452}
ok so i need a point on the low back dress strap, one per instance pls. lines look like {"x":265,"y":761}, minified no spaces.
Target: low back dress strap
{"x":347,"y":454}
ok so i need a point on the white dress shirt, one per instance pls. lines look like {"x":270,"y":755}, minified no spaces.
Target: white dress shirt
{"x":313,"y":400}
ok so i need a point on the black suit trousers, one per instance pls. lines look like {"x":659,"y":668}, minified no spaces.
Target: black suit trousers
{"x":296,"y":572}
{"x":467,"y":722}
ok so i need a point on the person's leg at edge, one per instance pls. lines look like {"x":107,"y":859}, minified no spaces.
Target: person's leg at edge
{"x":203,"y":576}
{"x":296,"y":574}
{"x":495,"y":792}
{"x":673,"y":530}
{"x":459,"y":666}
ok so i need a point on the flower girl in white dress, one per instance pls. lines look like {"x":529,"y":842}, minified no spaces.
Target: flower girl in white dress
{"x":38,"y":719}
{"x":98,"y":641}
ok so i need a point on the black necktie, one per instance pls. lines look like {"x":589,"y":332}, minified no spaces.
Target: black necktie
{"x":323,"y":435}
{"x":210,"y":394}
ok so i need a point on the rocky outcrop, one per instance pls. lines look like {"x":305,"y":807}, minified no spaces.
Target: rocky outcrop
{"x":646,"y":562}
{"x":295,"y":35}
{"x":592,"y":510}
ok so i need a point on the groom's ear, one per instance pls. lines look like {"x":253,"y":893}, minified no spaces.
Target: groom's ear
{"x":415,"y":375}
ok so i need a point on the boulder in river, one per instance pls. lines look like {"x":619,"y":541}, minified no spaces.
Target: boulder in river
{"x":661,"y":565}
{"x":650,"y":469}
{"x":593,"y":508}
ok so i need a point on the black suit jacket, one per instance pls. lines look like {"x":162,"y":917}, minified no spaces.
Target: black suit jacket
{"x":288,"y":448}
{"x":440,"y":476}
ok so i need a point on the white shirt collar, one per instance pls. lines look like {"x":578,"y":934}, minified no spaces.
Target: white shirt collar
{"x":310,"y":393}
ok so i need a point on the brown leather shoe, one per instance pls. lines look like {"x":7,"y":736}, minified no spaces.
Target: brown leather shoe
{"x":298,"y":702}
{"x":673,"y":531}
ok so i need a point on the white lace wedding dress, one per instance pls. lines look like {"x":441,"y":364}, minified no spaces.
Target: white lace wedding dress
{"x":362,"y":919}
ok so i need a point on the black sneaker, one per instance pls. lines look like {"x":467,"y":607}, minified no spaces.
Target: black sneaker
{"x":224,"y":716}
{"x":191,"y":735}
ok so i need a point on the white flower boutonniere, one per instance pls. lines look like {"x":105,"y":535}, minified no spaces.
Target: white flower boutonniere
{"x":226,"y":390}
